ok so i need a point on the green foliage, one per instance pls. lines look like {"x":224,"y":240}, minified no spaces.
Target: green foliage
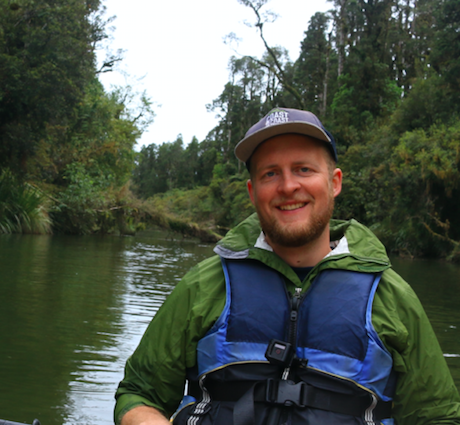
{"x":22,"y":207}
{"x":88,"y":206}
{"x":407,"y":188}
{"x":446,"y":52}
{"x":217,"y":207}
{"x":58,"y":126}
{"x":79,"y":202}
{"x":430,"y":161}
{"x":358,"y":108}
{"x":170,"y":165}
{"x":433,"y":156}
{"x":232,"y":203}
{"x":316,"y":65}
{"x":46,"y":58}
{"x":101,"y":138}
{"x":430,"y":101}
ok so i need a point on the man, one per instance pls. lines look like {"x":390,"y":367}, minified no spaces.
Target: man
{"x":299,"y":319}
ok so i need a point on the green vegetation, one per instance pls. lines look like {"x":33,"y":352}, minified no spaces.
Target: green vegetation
{"x":22,"y":207}
{"x":383,"y":76}
{"x":65,"y":143}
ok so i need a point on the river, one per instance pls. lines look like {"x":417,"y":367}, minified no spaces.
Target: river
{"x":73,"y":308}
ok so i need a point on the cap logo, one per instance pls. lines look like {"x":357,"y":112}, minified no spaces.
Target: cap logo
{"x":276,"y":117}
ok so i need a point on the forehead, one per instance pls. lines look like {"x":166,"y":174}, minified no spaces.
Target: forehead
{"x":288,"y":147}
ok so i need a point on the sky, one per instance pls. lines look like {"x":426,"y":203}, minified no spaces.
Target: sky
{"x":175,"y":52}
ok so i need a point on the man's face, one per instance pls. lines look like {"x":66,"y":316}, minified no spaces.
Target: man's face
{"x":293,"y":189}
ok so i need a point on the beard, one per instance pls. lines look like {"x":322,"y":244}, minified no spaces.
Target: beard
{"x":298,"y":234}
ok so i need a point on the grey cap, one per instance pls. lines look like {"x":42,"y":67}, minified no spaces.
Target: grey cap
{"x":282,"y":121}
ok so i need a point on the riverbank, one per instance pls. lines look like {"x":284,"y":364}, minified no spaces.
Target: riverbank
{"x":26,"y":208}
{"x":205,"y":212}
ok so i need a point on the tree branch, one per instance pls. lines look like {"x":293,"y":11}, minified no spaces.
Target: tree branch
{"x":278,"y":69}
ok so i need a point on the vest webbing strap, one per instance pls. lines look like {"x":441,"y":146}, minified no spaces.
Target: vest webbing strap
{"x":285,"y":393}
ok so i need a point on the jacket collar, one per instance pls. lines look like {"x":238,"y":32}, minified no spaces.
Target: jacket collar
{"x":353,"y":241}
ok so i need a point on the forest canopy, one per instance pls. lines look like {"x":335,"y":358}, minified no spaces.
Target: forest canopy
{"x":64,"y":140}
{"x":382,"y":75}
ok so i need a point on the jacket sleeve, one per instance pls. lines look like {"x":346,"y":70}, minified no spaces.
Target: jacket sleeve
{"x":425,"y":391}
{"x":155,"y":374}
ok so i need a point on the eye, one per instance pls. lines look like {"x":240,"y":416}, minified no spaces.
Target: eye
{"x":269,"y":174}
{"x":304,"y":169}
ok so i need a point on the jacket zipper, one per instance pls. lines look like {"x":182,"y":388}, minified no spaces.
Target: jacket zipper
{"x":292,"y":334}
{"x":295,"y":302}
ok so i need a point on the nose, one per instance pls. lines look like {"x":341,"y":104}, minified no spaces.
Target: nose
{"x":288,"y":183}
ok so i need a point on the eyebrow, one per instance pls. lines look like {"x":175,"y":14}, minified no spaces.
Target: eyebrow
{"x":296,"y":163}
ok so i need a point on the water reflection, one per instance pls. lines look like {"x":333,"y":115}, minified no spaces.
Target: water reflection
{"x":437,"y":284}
{"x":150,"y":270}
{"x":74,"y":308}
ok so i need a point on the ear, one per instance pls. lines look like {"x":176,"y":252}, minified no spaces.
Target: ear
{"x":250,"y":190}
{"x":337,"y":181}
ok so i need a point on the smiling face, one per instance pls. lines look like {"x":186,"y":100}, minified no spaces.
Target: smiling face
{"x":293,"y":187}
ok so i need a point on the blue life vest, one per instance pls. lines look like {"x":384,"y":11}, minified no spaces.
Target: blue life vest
{"x":333,"y":334}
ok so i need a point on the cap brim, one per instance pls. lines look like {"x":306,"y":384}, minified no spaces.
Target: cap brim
{"x":248,"y":145}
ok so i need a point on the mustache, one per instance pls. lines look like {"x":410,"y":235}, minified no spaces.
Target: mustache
{"x":291,"y":200}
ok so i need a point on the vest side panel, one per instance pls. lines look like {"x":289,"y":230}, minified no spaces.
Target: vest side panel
{"x":211,"y":349}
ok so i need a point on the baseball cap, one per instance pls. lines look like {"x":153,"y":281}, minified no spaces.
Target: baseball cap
{"x":282,"y":121}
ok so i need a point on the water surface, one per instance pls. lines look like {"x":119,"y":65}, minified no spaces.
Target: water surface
{"x":72,"y":311}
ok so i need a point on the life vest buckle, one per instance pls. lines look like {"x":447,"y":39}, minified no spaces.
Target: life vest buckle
{"x":285,"y":393}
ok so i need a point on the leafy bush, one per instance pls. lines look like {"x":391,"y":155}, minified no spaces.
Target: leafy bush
{"x":406,"y":188}
{"x":22,"y":207}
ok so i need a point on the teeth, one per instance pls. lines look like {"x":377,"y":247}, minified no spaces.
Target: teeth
{"x":291,"y":207}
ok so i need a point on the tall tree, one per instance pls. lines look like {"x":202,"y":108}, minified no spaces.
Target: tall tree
{"x":240,"y":104}
{"x":46,"y":59}
{"x":313,"y":67}
{"x":275,"y":60}
{"x":446,"y":50}
{"x":367,"y":89}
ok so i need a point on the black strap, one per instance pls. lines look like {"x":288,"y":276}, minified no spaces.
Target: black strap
{"x":243,"y":411}
{"x":287,"y":393}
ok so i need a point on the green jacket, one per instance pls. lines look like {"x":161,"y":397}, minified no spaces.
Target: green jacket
{"x":155,"y":373}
